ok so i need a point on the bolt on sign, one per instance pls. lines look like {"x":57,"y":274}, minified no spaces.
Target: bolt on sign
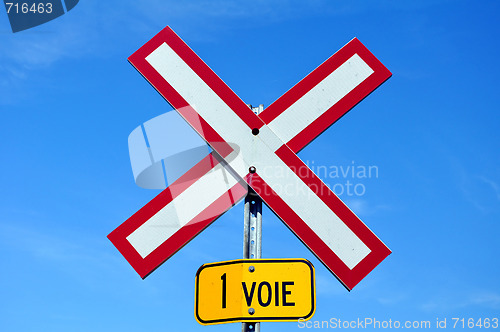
{"x":255,"y":290}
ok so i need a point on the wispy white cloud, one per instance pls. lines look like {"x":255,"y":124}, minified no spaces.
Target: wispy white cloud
{"x":363,"y":207}
{"x":26,"y":55}
{"x":492,"y":184}
{"x":482,"y":299}
{"x":486,"y":299}
{"x":480,"y":191}
{"x":259,"y":10}
{"x":38,"y":245}
{"x":394,"y":298}
{"x":77,"y":256}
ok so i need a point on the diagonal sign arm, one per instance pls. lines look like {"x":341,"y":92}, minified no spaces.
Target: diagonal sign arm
{"x":180,"y":212}
{"x":325,"y":95}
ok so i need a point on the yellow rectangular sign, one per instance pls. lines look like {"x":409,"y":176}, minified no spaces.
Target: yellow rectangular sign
{"x":255,"y":290}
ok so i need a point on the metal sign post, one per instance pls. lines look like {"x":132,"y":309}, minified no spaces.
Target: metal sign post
{"x":252,"y":238}
{"x":252,"y":232}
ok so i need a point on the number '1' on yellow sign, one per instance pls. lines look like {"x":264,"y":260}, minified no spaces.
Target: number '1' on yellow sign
{"x":255,"y":290}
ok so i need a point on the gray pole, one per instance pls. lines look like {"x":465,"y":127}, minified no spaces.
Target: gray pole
{"x":252,"y":233}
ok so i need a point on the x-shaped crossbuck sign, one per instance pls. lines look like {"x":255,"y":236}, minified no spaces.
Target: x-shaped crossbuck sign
{"x":256,"y":151}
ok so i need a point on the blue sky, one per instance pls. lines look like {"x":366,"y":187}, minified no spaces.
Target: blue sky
{"x":69,"y":99}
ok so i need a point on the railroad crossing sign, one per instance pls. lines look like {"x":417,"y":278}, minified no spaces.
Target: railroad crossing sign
{"x":255,"y":290}
{"x":256,"y":151}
